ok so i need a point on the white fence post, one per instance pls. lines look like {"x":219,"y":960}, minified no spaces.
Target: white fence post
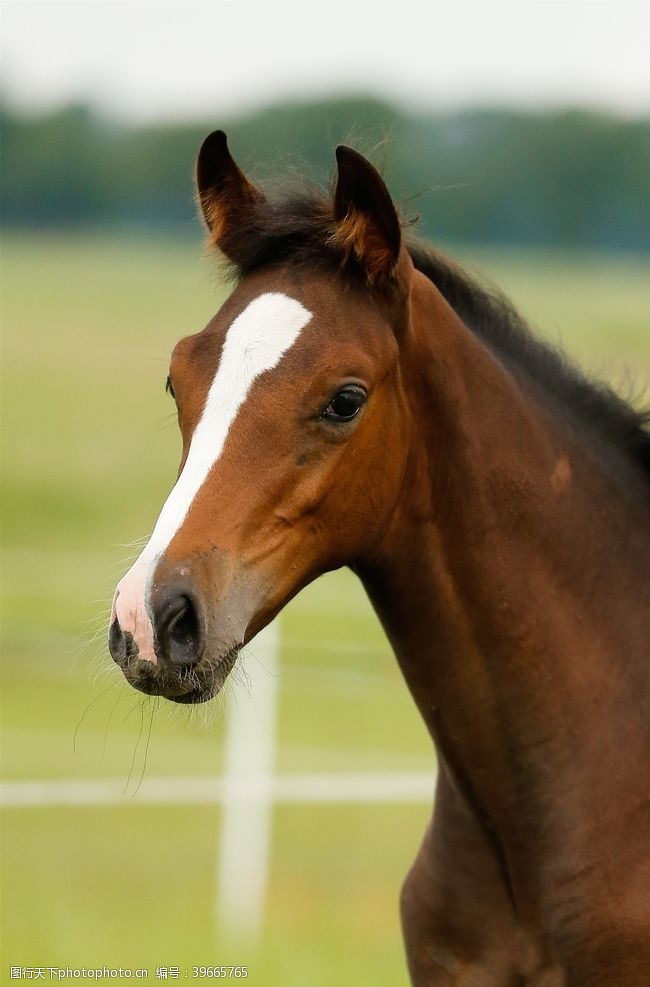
{"x":246,"y":816}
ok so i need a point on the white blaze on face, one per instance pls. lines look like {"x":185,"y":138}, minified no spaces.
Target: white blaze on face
{"x":255,"y":344}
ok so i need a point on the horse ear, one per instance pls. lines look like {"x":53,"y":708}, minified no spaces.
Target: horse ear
{"x":367,"y":224}
{"x":225,"y":194}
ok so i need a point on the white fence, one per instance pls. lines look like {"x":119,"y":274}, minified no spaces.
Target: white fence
{"x":302,"y":789}
{"x":247,"y":792}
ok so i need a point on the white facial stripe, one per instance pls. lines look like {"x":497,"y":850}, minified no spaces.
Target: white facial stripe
{"x":255,"y":343}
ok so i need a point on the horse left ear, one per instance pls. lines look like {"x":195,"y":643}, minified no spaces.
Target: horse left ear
{"x":226,"y":196}
{"x":366,"y":220}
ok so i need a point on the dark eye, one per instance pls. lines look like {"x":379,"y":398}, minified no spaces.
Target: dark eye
{"x":168,"y":387}
{"x":345,"y":404}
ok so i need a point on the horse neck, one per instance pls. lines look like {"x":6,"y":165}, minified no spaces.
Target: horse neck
{"x":508,"y":582}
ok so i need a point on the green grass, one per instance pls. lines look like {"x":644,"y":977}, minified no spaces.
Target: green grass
{"x":90,"y":450}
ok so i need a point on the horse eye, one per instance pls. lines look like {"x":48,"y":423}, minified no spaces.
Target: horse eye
{"x":168,"y":388}
{"x":345,"y":405}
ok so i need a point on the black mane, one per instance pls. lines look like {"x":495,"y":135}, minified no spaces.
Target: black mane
{"x":296,"y":229}
{"x":492,"y":317}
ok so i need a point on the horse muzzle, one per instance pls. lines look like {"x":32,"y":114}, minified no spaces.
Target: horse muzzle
{"x":162,"y":650}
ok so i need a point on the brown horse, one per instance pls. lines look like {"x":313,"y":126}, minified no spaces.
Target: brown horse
{"x":360,"y":401}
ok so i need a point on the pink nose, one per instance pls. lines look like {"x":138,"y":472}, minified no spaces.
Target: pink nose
{"x":130,"y":612}
{"x":166,"y":612}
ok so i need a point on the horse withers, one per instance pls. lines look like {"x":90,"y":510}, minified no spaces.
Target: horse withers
{"x":358,"y":400}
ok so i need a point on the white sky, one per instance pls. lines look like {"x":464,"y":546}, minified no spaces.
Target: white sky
{"x":153,"y":59}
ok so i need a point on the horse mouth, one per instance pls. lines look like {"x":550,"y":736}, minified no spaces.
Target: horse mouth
{"x":190,"y":686}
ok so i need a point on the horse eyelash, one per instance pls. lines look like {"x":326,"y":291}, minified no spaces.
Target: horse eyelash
{"x":169,"y":389}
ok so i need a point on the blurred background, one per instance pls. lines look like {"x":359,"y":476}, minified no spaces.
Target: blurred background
{"x":520,"y":135}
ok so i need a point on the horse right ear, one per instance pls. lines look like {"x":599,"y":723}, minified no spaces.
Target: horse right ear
{"x":226,"y":196}
{"x":366,"y":220}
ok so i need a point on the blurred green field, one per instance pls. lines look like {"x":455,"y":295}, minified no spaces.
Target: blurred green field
{"x":90,"y":450}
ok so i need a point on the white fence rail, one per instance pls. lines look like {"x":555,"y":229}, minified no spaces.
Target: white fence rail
{"x":284,"y":789}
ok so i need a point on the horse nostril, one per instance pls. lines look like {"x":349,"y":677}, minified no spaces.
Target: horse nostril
{"x":121,"y":645}
{"x":116,"y":642}
{"x":178,"y":627}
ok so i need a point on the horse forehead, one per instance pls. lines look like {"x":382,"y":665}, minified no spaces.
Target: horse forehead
{"x":258,"y":337}
{"x":255,"y":342}
{"x":272,"y":319}
{"x":247,"y":330}
{"x":244,"y":335}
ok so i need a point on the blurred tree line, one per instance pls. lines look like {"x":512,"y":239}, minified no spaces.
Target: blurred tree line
{"x":571,"y":178}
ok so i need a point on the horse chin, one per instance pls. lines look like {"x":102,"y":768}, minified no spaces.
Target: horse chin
{"x":194,"y":696}
{"x":199,"y":685}
{"x":208,"y":690}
